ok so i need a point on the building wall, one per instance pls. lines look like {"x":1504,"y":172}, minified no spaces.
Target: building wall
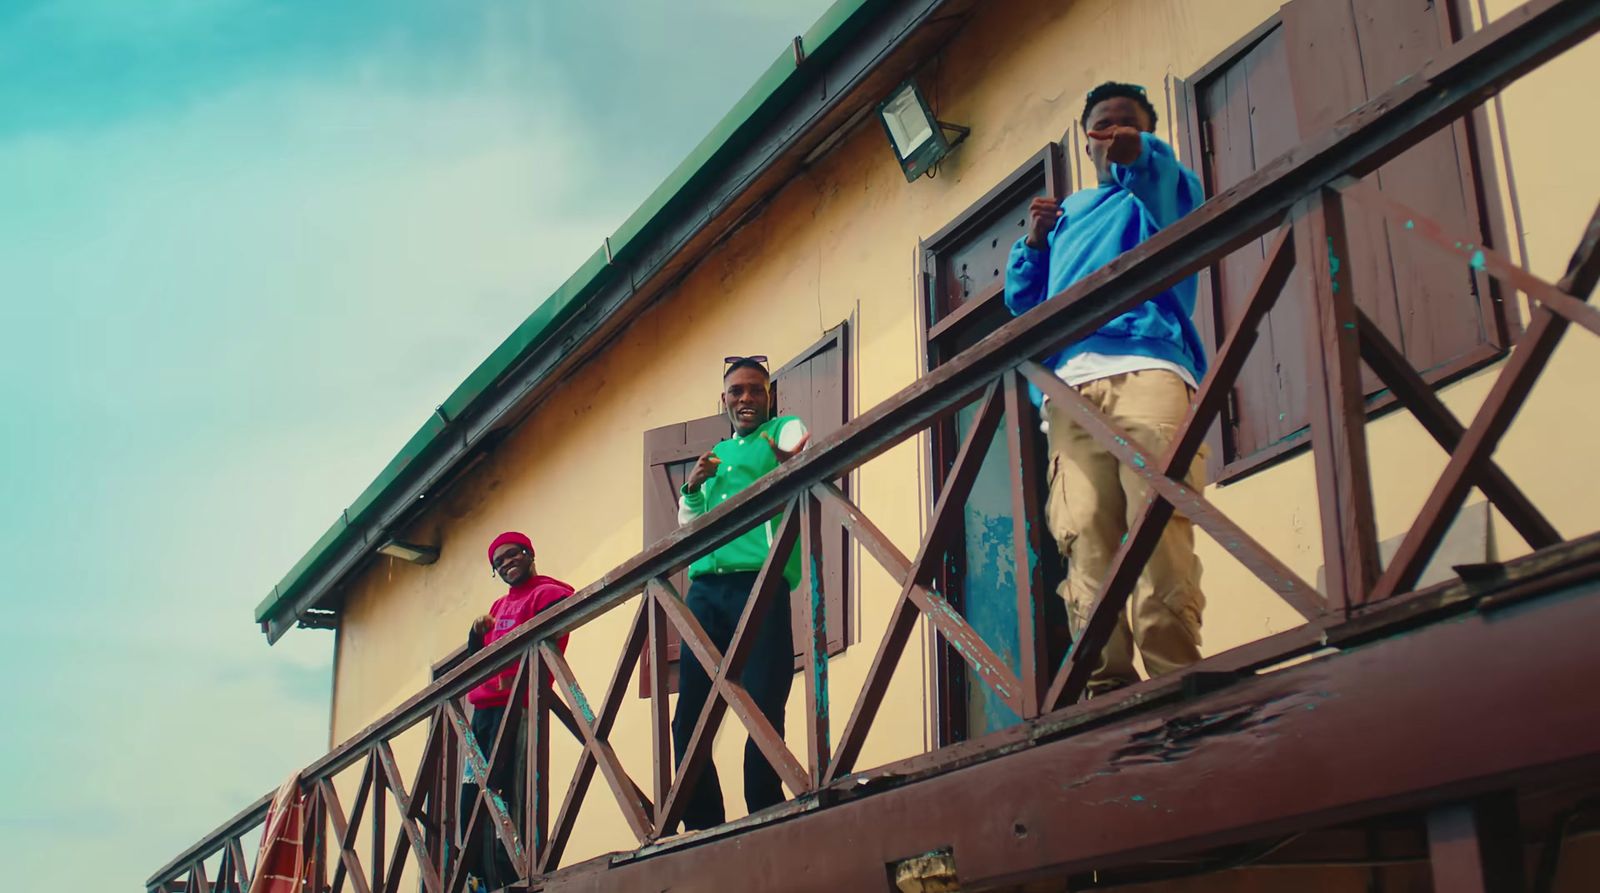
{"x":840,"y":242}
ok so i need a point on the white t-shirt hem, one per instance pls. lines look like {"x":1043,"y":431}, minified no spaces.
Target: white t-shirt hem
{"x":1089,"y":366}
{"x":1086,"y":367}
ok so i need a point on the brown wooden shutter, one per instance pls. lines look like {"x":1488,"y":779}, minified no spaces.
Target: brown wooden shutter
{"x":813,"y":387}
{"x":1297,"y":75}
{"x":1248,"y":118}
{"x":965,"y":262}
{"x":1423,"y":300}
{"x":669,"y":454}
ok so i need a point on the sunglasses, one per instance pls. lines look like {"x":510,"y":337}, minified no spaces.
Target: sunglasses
{"x":755,"y":358}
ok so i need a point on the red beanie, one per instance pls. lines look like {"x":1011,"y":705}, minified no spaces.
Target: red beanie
{"x":510,"y":536}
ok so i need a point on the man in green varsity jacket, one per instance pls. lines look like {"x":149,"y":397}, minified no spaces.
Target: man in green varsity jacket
{"x":720,"y":583}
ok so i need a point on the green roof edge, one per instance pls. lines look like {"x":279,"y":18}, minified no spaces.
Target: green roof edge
{"x":759,"y":104}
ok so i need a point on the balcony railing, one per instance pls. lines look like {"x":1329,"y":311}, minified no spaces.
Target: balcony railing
{"x":1299,"y":199}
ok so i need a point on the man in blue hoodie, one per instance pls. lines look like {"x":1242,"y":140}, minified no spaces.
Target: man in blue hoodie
{"x":1141,"y":369}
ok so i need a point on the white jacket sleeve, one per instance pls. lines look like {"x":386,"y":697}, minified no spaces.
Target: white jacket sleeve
{"x":691,"y":505}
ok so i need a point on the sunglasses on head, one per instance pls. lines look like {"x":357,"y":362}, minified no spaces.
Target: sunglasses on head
{"x":760,"y":359}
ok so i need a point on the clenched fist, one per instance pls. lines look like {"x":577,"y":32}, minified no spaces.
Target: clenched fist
{"x":1118,"y":145}
{"x":1042,"y":215}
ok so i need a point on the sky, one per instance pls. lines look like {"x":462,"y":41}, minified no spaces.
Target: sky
{"x":246,"y":246}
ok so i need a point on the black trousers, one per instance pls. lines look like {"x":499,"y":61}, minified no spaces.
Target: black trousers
{"x":717,"y":600}
{"x":497,"y":870}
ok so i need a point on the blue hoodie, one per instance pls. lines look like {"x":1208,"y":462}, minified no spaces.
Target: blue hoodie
{"x":1097,"y":225}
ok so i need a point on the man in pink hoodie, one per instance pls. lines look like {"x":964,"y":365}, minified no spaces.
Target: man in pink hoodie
{"x":511,"y":558}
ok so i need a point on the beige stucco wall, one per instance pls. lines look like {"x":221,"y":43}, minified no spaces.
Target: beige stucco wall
{"x":840,"y":243}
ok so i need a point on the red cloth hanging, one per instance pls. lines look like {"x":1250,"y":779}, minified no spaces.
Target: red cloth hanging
{"x":282,"y":860}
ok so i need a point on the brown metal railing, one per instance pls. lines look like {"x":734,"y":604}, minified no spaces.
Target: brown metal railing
{"x":1299,"y":196}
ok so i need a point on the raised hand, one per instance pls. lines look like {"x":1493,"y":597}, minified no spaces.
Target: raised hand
{"x":783,"y":454}
{"x":1042,"y":215}
{"x":702,"y":471}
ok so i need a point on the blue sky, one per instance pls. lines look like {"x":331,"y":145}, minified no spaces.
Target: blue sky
{"x":245,"y":247}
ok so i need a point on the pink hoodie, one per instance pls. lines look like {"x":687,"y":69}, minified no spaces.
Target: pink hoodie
{"x":510,"y":611}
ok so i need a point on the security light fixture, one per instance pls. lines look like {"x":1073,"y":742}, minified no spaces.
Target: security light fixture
{"x":410,"y":552}
{"x":918,"y":137}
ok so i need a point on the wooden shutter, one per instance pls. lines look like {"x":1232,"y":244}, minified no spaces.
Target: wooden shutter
{"x":669,"y":454}
{"x":1291,"y":79}
{"x":965,"y":262}
{"x":813,"y":386}
{"x":1248,"y":118}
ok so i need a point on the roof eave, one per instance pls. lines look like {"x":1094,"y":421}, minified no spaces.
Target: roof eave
{"x":791,"y":108}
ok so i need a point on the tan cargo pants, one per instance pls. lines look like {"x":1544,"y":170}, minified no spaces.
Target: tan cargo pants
{"x":1093,"y":500}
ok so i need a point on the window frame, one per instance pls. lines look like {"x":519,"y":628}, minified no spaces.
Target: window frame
{"x":937,"y":324}
{"x":939,"y":327}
